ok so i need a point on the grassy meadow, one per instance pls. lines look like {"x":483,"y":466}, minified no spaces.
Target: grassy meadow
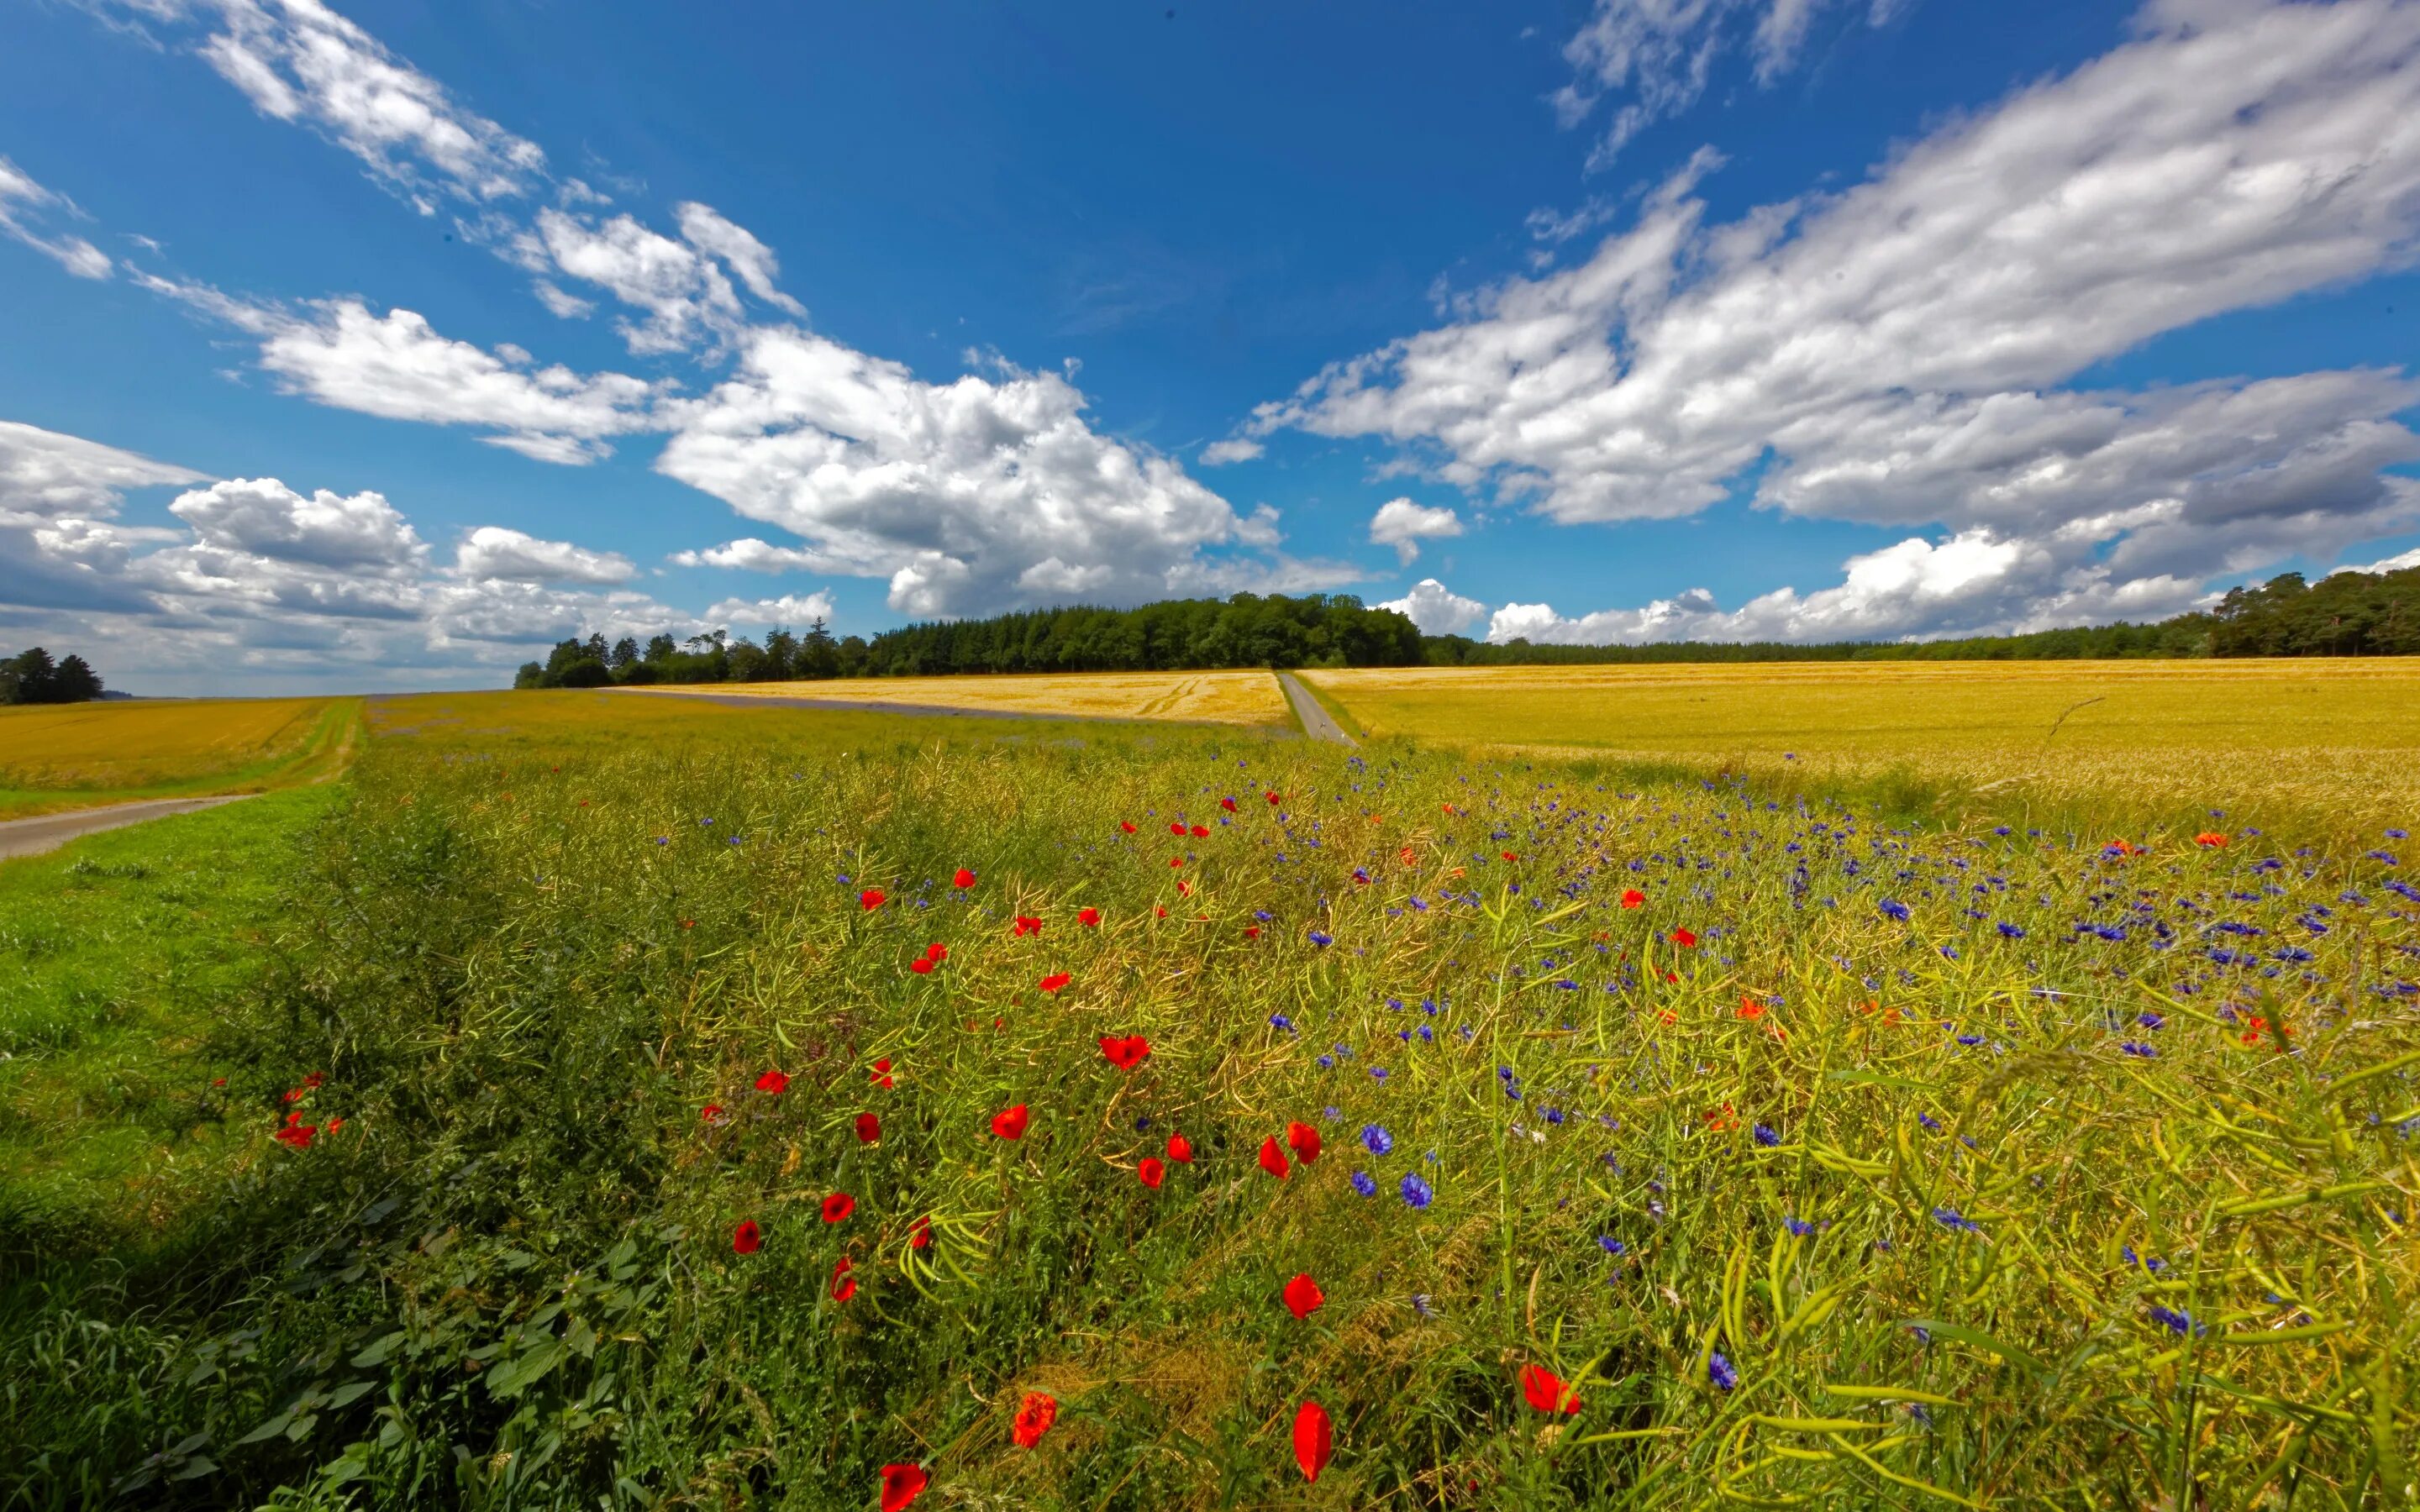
{"x":642,"y":1102}
{"x":59,"y":756}
{"x":2307,"y":741}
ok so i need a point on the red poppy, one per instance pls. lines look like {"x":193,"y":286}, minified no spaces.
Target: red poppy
{"x":1176,"y":860}
{"x":869,"y":1128}
{"x":921,"y":965}
{"x":838,"y":1206}
{"x":1303,"y":1296}
{"x":1176,"y":829}
{"x":1509,"y":856}
{"x":773,"y":1081}
{"x":297,"y":1135}
{"x":871,"y":898}
{"x":1025,"y":926}
{"x":920,"y":1235}
{"x":1089,"y":918}
{"x":2211,"y":838}
{"x":901,"y":1485}
{"x":1750,"y":1009}
{"x":1304,"y":1141}
{"x":881,"y":1073}
{"x":1633,"y":898}
{"x":1272,"y":798}
{"x":936,"y":951}
{"x":1314,"y":1439}
{"x":1546,"y":1392}
{"x":711,"y":1113}
{"x":1252,"y":931}
{"x":963,"y":879}
{"x":1126,"y":824}
{"x":1685,"y":939}
{"x":1035,"y":1417}
{"x":1052,"y":983}
{"x":1152,"y":1171}
{"x":1273,"y":1159}
{"x":844,"y":1286}
{"x":688,"y":923}
{"x":1161,"y":913}
{"x":1011,"y":1124}
{"x":315,"y":1078}
{"x":334,"y":1124}
{"x":1202,"y":832}
{"x":747,"y":1238}
{"x":293,"y":1094}
{"x":1180,"y":1149}
{"x":1228,"y":804}
{"x":1124,"y":1054}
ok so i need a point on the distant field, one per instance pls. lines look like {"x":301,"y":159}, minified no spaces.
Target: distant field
{"x":78,"y":755}
{"x":1214,"y":698}
{"x":2301,"y":736}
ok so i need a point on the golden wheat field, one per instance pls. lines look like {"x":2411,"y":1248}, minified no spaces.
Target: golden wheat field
{"x":2313,"y":739}
{"x":73,"y":755}
{"x":1247,"y":698}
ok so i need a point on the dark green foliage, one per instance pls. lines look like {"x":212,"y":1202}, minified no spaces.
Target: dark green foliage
{"x":1248,"y":631}
{"x":32,"y":678}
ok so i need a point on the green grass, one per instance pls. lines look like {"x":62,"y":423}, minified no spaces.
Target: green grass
{"x":114,"y":952}
{"x":523,"y":962}
{"x":60,"y":757}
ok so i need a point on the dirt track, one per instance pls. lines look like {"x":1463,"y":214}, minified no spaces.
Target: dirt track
{"x":48,"y":832}
{"x":1316,"y":722}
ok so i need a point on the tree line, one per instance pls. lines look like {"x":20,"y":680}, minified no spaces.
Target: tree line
{"x":32,"y":678}
{"x":2345,"y":614}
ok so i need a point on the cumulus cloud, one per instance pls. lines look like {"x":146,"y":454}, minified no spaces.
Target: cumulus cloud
{"x":45,"y":475}
{"x":1438,"y":610}
{"x":495,"y":551}
{"x":264,"y":517}
{"x":1403,"y":525}
{"x":980,"y":494}
{"x":25,"y":206}
{"x":1656,"y":56}
{"x":2400,"y":561}
{"x":749,"y":554}
{"x":1890,"y":353}
{"x":59,"y":547}
{"x":789,"y":610}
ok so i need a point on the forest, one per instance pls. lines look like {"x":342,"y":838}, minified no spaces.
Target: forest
{"x":2345,"y":614}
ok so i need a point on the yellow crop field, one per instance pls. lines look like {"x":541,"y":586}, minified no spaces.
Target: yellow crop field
{"x":76,"y":755}
{"x":1247,"y":698}
{"x":2338,"y":740}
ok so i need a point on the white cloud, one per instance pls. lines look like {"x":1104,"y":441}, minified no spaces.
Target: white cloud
{"x":1658,"y":55}
{"x":684,"y":294}
{"x":972,"y":496}
{"x":750,"y":260}
{"x":1403,"y":525}
{"x":1233,"y":448}
{"x":2400,"y":561}
{"x":297,"y":60}
{"x":749,"y":554}
{"x":24,"y":203}
{"x":790,"y":610}
{"x":264,"y":517}
{"x":1438,"y":610}
{"x":1889,"y":353}
{"x":336,"y":352}
{"x":494,"y":551}
{"x":45,"y":475}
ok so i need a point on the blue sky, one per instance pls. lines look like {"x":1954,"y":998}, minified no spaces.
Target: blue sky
{"x":381,"y":347}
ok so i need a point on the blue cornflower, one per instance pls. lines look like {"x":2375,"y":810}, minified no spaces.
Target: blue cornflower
{"x":2011,"y":931}
{"x":2178,"y":1321}
{"x":1327,"y":1062}
{"x":2397,"y":834}
{"x":735,"y":840}
{"x":663,"y":840}
{"x":1377,"y":1074}
{"x":2136,"y":1047}
{"x":1279,"y":1021}
{"x":1363,"y":1183}
{"x":1331,"y":1114}
{"x":1376,"y":1138}
{"x":1895,"y":909}
{"x":1609,"y":1243}
{"x":1970,"y":1040}
{"x":1416,"y":1192}
{"x":1799,"y":1227}
{"x":1321,"y":939}
{"x":1719,"y":1371}
{"x":2149,"y":1021}
{"x":1766,"y":1136}
{"x":1951,"y":1218}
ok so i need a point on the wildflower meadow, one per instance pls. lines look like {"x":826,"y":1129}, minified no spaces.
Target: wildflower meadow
{"x":812,"y":1112}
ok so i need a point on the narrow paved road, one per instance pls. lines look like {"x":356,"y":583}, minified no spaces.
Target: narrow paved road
{"x":48,"y":832}
{"x":1316,"y":722}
